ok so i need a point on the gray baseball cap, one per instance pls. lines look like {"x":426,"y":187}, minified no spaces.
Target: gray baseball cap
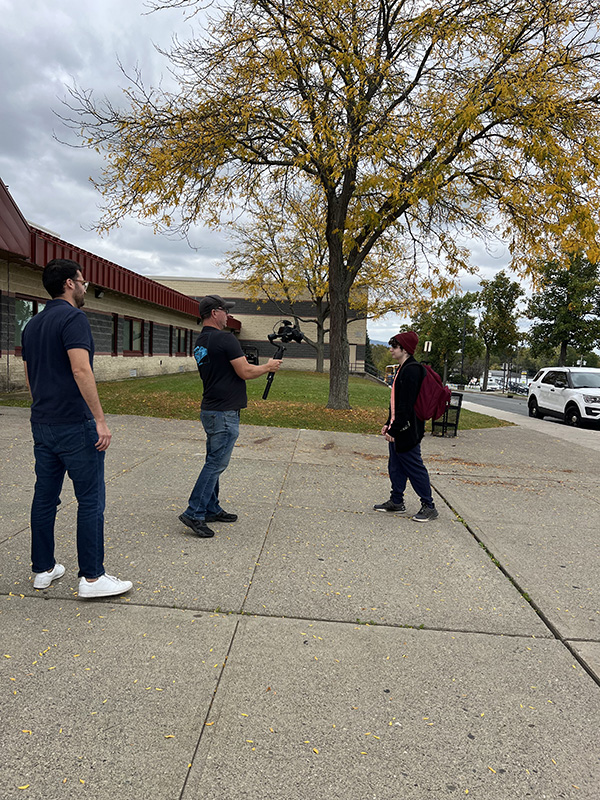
{"x":206,"y":304}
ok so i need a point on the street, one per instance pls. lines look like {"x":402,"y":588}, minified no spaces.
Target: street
{"x":516,"y":404}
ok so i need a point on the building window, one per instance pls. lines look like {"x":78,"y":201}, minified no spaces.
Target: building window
{"x":150,"y":344}
{"x":114,"y":342}
{"x":180,"y":340}
{"x":132,"y":336}
{"x":25,"y":309}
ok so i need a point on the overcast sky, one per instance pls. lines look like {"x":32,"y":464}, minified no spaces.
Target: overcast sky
{"x":45,"y":47}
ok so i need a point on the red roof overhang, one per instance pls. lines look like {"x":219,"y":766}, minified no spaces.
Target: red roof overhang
{"x":14,"y":230}
{"x":36,"y":247}
{"x":107,"y":275}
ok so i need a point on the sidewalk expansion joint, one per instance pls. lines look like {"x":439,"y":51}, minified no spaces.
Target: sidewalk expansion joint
{"x":209,"y":710}
{"x":224,"y":612}
{"x":266,"y":536}
{"x":550,"y":625}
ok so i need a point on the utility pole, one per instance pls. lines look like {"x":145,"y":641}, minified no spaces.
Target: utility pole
{"x":462,"y":347}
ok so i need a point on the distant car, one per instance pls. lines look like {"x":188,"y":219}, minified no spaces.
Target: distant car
{"x":517,"y":388}
{"x":493,"y":385}
{"x":568,"y":393}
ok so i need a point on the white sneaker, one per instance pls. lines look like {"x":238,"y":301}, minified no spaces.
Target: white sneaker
{"x":43,"y":580}
{"x":105,"y":586}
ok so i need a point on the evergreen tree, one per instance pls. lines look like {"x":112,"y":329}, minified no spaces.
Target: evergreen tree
{"x":445,"y":324}
{"x":498,"y":329}
{"x":566,"y":309}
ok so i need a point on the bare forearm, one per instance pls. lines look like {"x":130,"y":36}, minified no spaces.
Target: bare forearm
{"x":27,"y":380}
{"x":86,"y":384}
{"x":248,"y":371}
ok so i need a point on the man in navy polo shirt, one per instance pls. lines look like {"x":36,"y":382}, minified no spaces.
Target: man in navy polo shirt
{"x":70,"y":433}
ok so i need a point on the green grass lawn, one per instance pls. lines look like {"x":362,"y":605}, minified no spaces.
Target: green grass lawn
{"x":296,"y":400}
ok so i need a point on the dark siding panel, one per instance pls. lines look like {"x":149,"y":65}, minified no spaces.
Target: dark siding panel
{"x":267,"y":308}
{"x":161,"y":340}
{"x":8,"y":316}
{"x":5,"y":317}
{"x":119,"y":347}
{"x":102,"y":326}
{"x":293,"y":349}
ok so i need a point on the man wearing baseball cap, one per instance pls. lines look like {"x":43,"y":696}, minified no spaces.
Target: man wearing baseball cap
{"x":404,"y":431}
{"x":224,"y":370}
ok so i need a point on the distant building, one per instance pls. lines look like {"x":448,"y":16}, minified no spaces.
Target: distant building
{"x":259,"y":318}
{"x":141,"y":326}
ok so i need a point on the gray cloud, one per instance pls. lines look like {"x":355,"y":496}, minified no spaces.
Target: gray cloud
{"x":44,"y":49}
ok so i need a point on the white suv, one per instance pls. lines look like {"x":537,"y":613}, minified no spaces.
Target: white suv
{"x":569,"y":393}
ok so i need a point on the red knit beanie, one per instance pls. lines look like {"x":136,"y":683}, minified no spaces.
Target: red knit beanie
{"x":408,"y":340}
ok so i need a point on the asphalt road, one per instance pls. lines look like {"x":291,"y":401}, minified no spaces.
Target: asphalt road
{"x":516,"y":404}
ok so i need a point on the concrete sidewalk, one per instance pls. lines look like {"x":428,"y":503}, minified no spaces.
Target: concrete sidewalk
{"x":315,"y":648}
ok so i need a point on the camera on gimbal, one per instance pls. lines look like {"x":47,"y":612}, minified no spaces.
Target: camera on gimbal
{"x":287,"y":333}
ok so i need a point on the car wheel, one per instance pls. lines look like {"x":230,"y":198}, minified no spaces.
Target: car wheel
{"x":534,"y":410}
{"x":572,"y":416}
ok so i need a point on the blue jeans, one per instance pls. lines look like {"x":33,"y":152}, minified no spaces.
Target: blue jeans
{"x":409,"y":466}
{"x":59,"y":449}
{"x":222,"y":430}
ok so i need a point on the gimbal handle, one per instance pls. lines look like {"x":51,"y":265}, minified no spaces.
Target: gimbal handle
{"x":278,"y":354}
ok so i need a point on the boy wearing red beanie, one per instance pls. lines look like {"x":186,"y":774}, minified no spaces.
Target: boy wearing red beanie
{"x":404,"y":431}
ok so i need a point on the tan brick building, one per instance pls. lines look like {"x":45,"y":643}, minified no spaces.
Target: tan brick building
{"x":140,"y":326}
{"x":260,"y":318}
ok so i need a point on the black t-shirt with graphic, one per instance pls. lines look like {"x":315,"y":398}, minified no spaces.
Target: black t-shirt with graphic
{"x":224,"y":390}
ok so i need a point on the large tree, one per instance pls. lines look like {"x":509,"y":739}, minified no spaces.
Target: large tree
{"x":280,"y":252}
{"x":566,"y":308}
{"x":449,"y":326}
{"x":498,"y":300}
{"x":432,"y":119}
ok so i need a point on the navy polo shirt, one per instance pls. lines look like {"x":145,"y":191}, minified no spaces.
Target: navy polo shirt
{"x":46,"y":340}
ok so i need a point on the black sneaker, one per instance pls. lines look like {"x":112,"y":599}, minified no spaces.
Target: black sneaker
{"x":199,"y":527}
{"x":390,"y":506}
{"x":426,"y":514}
{"x":222,"y":516}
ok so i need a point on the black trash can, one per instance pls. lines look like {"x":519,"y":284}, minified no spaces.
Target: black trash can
{"x":447,"y":425}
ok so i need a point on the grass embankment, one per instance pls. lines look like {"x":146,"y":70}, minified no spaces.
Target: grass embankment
{"x":296,"y":400}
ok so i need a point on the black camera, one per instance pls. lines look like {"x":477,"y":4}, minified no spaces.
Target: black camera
{"x":287,"y":333}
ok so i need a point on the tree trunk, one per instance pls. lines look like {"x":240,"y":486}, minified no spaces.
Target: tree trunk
{"x":486,"y":368}
{"x":563,"y":354}
{"x":320,"y":348}
{"x":445,"y":376}
{"x":339,"y":352}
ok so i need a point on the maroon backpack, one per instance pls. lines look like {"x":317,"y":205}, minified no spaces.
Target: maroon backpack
{"x":434,"y":397}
